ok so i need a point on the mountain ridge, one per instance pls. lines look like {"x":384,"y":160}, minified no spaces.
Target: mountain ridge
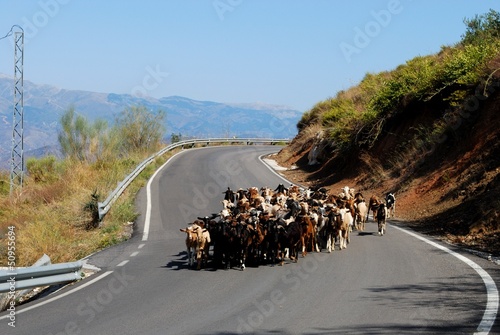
{"x":44,"y":105}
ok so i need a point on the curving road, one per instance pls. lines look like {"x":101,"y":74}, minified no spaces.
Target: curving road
{"x":396,"y":284}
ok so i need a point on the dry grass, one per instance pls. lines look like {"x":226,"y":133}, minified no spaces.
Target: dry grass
{"x":301,"y":143}
{"x":49,"y":217}
{"x":377,"y":173}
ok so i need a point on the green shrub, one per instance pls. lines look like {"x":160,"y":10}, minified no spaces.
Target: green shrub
{"x":482,"y":28}
{"x":358,"y":115}
{"x":140,"y":129}
{"x":4,"y":183}
{"x":44,"y":169}
{"x":92,"y":207}
{"x":124,"y":211}
{"x":312,"y":116}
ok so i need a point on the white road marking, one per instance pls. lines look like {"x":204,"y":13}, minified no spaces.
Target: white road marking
{"x":491,"y":311}
{"x":492,"y":304}
{"x":135,"y":253}
{"x":144,"y":238}
{"x":60,"y":296}
{"x":274,"y":171}
{"x":122,"y":263}
{"x":147,"y":221}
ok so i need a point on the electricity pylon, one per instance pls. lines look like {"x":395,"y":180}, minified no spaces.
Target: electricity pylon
{"x":17,"y":156}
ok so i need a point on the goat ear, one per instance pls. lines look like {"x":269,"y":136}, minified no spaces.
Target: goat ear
{"x":184,"y":230}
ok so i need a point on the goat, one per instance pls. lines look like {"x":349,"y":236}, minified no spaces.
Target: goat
{"x":381,"y":217}
{"x":390,"y":200}
{"x":267,"y":194}
{"x":347,"y":193}
{"x":373,"y":205}
{"x":281,"y":189}
{"x":361,"y":214}
{"x":191,"y":243}
{"x":343,"y":233}
{"x":333,"y":228}
{"x":308,"y":234}
{"x":289,"y":238}
{"x":229,"y":195}
{"x":197,"y":242}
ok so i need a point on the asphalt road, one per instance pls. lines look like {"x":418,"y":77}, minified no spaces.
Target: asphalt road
{"x":396,"y":284}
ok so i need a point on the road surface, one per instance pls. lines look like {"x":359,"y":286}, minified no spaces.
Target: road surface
{"x":396,"y":284}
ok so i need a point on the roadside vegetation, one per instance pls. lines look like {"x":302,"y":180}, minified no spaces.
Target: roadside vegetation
{"x":427,"y":130}
{"x":55,"y":212}
{"x":355,"y":118}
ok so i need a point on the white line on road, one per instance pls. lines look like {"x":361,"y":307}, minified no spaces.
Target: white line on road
{"x":60,"y":296}
{"x":147,"y":220}
{"x":122,"y":263}
{"x":491,"y":310}
{"x":266,"y":164}
{"x":492,"y":304}
{"x":135,"y":253}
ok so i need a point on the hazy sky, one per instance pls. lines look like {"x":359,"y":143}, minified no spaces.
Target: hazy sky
{"x":286,"y":52}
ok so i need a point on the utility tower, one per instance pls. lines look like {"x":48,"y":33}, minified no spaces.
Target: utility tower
{"x":17,"y":156}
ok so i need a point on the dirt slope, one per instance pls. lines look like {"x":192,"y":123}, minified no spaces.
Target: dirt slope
{"x":450,"y":189}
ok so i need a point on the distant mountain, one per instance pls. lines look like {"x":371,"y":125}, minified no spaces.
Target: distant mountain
{"x":44,"y":105}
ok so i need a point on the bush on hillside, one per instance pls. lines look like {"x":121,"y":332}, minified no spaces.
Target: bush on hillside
{"x":482,"y":28}
{"x":356,"y":117}
{"x":83,"y":141}
{"x":42,"y":170}
{"x":140,"y":129}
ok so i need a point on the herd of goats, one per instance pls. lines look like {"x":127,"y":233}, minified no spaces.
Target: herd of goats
{"x":264,"y":226}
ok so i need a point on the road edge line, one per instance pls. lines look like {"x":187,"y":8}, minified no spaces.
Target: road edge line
{"x":147,"y":220}
{"x":105,"y":274}
{"x":492,"y":302}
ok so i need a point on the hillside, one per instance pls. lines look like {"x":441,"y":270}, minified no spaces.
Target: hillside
{"x":45,"y":104}
{"x":429,"y":131}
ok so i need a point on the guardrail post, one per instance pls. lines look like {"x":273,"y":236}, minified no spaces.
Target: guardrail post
{"x":100,"y":208}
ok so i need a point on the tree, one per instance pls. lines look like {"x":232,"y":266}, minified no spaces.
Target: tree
{"x":482,"y":28}
{"x":84,"y":141}
{"x":74,"y":136}
{"x":140,"y":129}
{"x":174,"y":138}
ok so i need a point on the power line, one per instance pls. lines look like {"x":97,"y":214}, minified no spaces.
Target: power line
{"x":11,"y":31}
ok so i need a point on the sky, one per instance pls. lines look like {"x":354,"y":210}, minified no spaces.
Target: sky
{"x":285,"y":52}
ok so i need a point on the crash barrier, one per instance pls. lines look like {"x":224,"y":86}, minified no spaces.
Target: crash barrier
{"x":37,"y":276}
{"x":105,"y":206}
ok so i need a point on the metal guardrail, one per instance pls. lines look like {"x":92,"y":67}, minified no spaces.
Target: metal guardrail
{"x":42,"y":274}
{"x":45,"y":275}
{"x":105,"y":206}
{"x":37,"y":276}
